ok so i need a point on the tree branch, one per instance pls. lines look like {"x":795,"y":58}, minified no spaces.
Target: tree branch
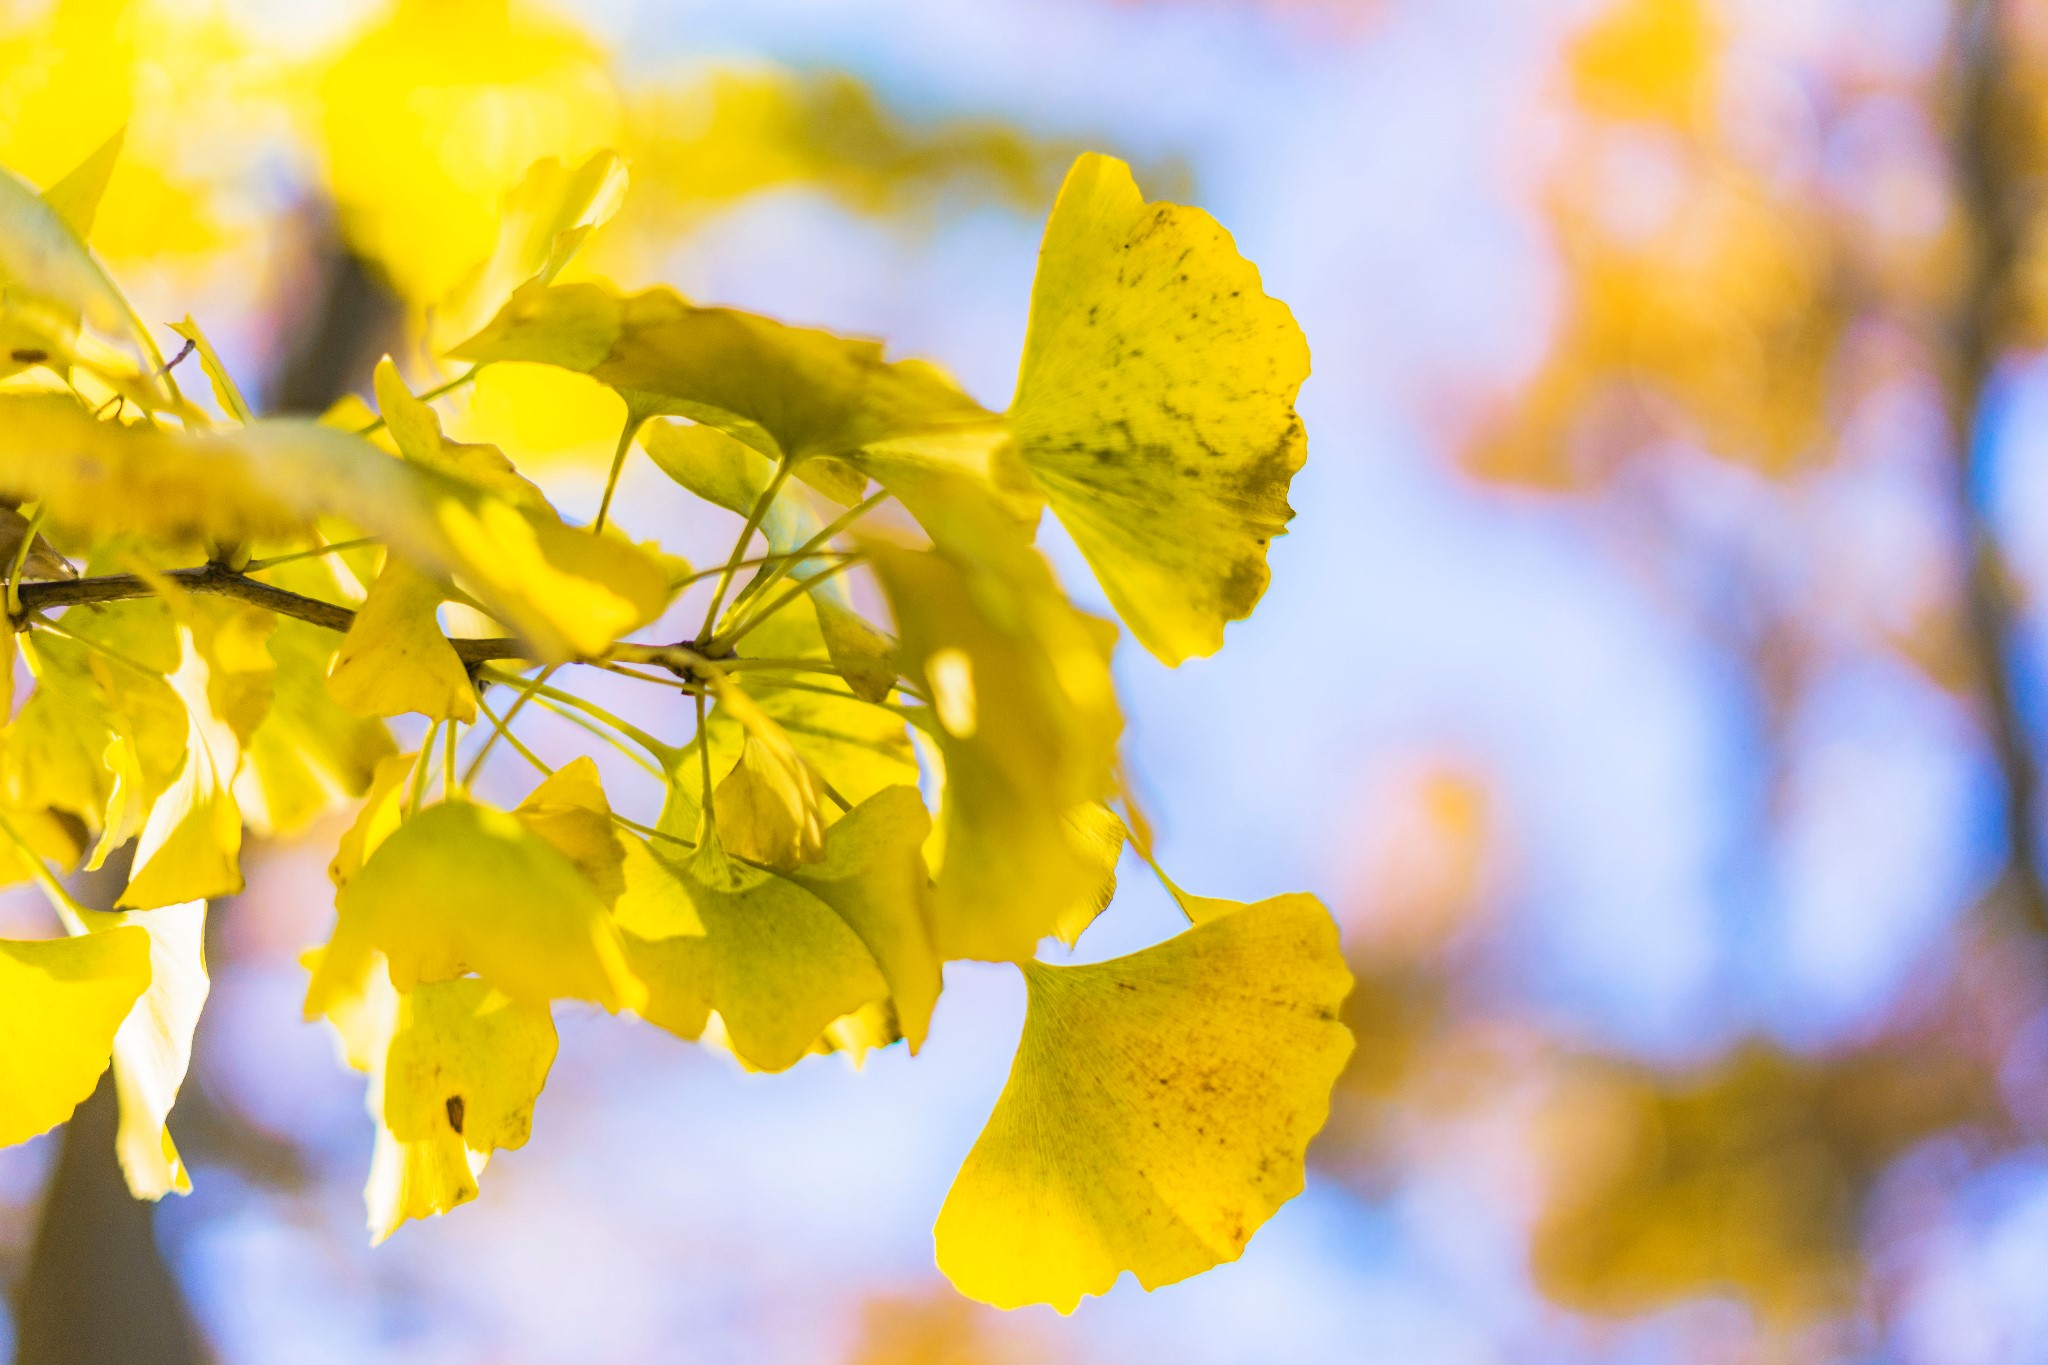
{"x":1995,"y":220}
{"x":224,"y":582}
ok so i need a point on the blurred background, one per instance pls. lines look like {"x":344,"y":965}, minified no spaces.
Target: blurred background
{"x":1651,"y":684}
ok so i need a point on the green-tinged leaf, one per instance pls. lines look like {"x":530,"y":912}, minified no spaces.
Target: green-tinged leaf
{"x":61,"y":1003}
{"x":569,"y":810}
{"x":1158,"y":1111}
{"x":769,"y":807}
{"x":718,"y":468}
{"x":226,"y":392}
{"x":873,"y":876}
{"x":864,"y":656}
{"x":76,"y":197}
{"x":153,"y":1047}
{"x":1024,"y":716}
{"x":774,"y":960}
{"x":461,"y":888}
{"x":52,"y":283}
{"x":1155,"y":406}
{"x":395,"y":658}
{"x":789,"y":392}
{"x":56,"y":745}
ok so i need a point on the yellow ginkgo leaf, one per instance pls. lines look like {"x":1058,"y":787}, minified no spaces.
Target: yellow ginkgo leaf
{"x":461,"y":888}
{"x":190,"y":846}
{"x":567,"y":592}
{"x":769,"y":807}
{"x":153,"y":1047}
{"x":1158,"y":1111}
{"x":774,"y":960}
{"x":233,"y":639}
{"x":873,"y":876}
{"x":864,"y":656}
{"x":225,"y":391}
{"x":546,"y":218}
{"x":395,"y":659}
{"x":416,"y":430}
{"x":458,"y":1082}
{"x":378,"y":819}
{"x":435,"y":112}
{"x":854,"y":748}
{"x":309,"y":756}
{"x":76,"y":197}
{"x":53,"y":283}
{"x":1024,"y":716}
{"x":570,"y":811}
{"x":1155,"y":406}
{"x":789,"y":392}
{"x":61,"y":1003}
{"x":1100,"y":835}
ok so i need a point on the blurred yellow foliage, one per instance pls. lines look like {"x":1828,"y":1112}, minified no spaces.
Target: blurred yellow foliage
{"x":1749,"y":1177}
{"x":1646,"y":59}
{"x":433,"y":115}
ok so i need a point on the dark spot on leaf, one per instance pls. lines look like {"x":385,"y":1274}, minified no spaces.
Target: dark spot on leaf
{"x":455,"y":1113}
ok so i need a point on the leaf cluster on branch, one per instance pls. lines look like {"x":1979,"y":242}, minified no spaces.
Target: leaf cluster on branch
{"x":221,"y":616}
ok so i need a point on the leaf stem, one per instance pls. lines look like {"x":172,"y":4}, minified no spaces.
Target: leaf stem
{"x":419,"y":771}
{"x":259,"y":565}
{"x":704,"y":773}
{"x":662,"y":753}
{"x":611,"y":483}
{"x":504,"y":728}
{"x":811,"y":548}
{"x":739,"y":548}
{"x":512,"y":713}
{"x":802,"y":586}
{"x":21,"y":553}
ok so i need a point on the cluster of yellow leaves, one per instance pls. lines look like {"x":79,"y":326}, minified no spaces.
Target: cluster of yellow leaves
{"x":1701,"y":298}
{"x":796,"y":895}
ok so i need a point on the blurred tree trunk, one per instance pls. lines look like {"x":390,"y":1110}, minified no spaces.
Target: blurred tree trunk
{"x":97,"y":1290}
{"x":1996,"y":212}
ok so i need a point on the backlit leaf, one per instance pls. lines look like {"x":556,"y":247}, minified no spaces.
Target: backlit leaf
{"x":76,"y":197}
{"x":395,"y":659}
{"x":459,"y":1081}
{"x":61,"y":1003}
{"x":789,"y":392}
{"x":153,"y":1047}
{"x":569,"y":810}
{"x":774,"y":960}
{"x":873,"y":876}
{"x":460,"y":888}
{"x":1024,"y":715}
{"x":190,"y":846}
{"x":1157,"y":1113}
{"x":1155,"y":406}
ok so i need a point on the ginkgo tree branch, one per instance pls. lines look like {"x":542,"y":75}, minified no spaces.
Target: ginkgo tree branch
{"x":683,"y":658}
